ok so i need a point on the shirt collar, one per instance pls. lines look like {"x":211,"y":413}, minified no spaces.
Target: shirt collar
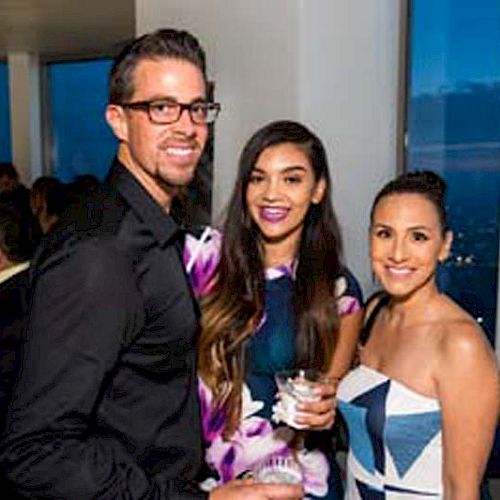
{"x":13,"y":270}
{"x":147,"y":209}
{"x":288,"y":269}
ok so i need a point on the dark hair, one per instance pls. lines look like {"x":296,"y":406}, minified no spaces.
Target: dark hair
{"x":17,"y":239}
{"x":164,"y":43}
{"x":51,"y":191}
{"x":426,"y":183}
{"x":8,"y":170}
{"x":81,"y":187}
{"x":233,"y":311}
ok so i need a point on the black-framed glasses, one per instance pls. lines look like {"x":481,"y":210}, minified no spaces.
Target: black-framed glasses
{"x":164,"y":111}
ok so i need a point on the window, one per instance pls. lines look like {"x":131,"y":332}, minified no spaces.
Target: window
{"x":81,"y":141}
{"x":5,"y":143}
{"x":453,"y":125}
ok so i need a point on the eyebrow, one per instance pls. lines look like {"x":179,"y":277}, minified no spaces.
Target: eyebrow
{"x":286,"y":170}
{"x":172,"y":99}
{"x":412,"y":228}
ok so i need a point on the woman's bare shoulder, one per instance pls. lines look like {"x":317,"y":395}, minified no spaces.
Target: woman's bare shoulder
{"x":461,"y":339}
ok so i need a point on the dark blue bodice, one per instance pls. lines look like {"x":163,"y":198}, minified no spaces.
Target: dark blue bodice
{"x":272,"y":347}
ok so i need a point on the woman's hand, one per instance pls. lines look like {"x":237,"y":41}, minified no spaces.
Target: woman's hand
{"x":319,"y":414}
{"x":247,"y":489}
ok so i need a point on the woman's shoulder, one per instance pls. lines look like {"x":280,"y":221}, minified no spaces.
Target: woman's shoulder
{"x":466,"y":367}
{"x":460,"y":338}
{"x":201,"y":256}
{"x":200,"y":241}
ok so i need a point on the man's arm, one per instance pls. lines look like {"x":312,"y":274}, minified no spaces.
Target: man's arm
{"x":85,"y":311}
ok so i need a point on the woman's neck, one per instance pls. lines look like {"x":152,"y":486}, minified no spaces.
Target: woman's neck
{"x":416,"y":305}
{"x":278,"y":254}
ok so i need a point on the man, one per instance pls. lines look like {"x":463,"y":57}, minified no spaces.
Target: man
{"x":16,"y":249}
{"x":106,"y":405}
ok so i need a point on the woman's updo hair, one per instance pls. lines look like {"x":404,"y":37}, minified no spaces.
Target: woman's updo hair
{"x":428,"y":184}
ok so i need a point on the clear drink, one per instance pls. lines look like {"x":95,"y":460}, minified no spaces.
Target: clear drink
{"x":294,"y":386}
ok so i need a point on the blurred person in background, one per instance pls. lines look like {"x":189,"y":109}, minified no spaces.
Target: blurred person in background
{"x":9,"y":178}
{"x":16,"y":249}
{"x":81,"y":187}
{"x":12,"y":191}
{"x":47,"y":201}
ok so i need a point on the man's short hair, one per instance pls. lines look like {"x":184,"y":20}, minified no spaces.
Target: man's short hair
{"x":164,"y":43}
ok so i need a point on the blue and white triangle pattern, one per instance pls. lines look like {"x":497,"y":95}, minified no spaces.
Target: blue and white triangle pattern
{"x":395,"y":448}
{"x":408,"y":435}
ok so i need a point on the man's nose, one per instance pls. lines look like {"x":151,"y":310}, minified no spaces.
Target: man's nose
{"x":185,"y":124}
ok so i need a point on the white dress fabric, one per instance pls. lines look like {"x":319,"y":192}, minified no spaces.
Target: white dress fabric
{"x":395,"y":442}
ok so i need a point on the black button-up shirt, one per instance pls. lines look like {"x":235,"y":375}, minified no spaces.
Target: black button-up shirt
{"x":106,"y":402}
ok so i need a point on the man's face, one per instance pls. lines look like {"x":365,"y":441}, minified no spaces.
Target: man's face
{"x":161,"y":156}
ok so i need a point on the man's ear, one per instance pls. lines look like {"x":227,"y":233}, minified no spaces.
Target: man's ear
{"x":115,"y":116}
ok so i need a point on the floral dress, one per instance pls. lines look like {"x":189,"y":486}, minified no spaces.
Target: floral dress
{"x":269,"y":350}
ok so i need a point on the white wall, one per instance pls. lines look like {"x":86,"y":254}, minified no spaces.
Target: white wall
{"x":251,"y":55}
{"x":348,"y":88}
{"x":329,"y":63}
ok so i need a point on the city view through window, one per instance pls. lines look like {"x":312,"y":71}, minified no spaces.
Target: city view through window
{"x":453,"y":125}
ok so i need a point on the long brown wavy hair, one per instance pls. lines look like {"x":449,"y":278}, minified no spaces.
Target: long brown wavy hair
{"x":234,"y":308}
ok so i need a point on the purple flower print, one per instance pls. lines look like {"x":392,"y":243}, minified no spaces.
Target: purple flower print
{"x":254,"y":442}
{"x":201,"y":258}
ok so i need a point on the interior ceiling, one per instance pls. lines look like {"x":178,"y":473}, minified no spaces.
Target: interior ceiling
{"x":65,"y":28}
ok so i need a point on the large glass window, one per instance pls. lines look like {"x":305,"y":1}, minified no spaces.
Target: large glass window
{"x":453,"y":124}
{"x":81,"y":140}
{"x":5,"y":144}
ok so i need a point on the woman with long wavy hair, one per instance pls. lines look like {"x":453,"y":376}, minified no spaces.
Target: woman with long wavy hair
{"x":275,"y":294}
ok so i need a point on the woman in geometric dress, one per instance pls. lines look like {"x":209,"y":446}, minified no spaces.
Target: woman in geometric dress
{"x":422,"y":405}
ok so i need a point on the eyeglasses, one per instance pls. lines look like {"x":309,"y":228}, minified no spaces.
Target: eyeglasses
{"x":163,"y":112}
